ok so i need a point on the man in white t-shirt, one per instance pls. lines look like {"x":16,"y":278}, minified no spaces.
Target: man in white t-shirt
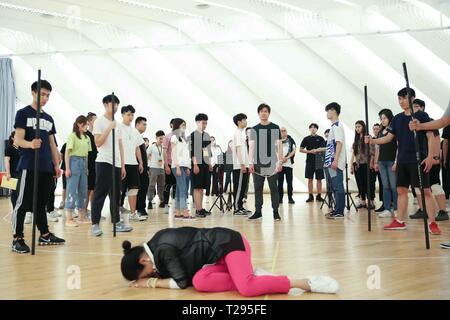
{"x":240,"y":164}
{"x":157,"y":165}
{"x":132,"y":140}
{"x":102,"y":132}
{"x":335,"y":159}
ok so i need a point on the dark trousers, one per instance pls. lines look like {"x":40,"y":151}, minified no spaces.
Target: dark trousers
{"x":51,"y":196}
{"x":14,"y":193}
{"x":258,"y":182}
{"x":144,"y":180}
{"x":171,"y":182}
{"x":288,"y":172}
{"x":228,"y":175}
{"x":361,"y":180}
{"x":240,"y":181}
{"x":24,"y":201}
{"x":103,"y":187}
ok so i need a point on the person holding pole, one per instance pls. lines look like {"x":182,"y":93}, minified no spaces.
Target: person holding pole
{"x":407,"y":172}
{"x":48,"y":165}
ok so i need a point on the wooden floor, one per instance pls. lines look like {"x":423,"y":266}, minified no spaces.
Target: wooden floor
{"x":303,"y":243}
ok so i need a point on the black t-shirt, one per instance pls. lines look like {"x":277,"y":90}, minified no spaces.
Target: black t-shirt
{"x":265,"y":137}
{"x":387,"y":151}
{"x":200,"y":143}
{"x":13,"y":153}
{"x":406,"y":146}
{"x":92,"y":155}
{"x":26,"y":119}
{"x":63,"y":153}
{"x":311,"y":143}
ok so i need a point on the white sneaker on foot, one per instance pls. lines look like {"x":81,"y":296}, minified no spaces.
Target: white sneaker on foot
{"x":323,"y":284}
{"x":52,"y":216}
{"x":385,"y":214}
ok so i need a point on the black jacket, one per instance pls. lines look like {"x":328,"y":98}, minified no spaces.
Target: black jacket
{"x":179,"y":253}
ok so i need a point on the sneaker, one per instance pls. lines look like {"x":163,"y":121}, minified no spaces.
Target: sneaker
{"x":52,"y":216}
{"x":240,"y":212}
{"x":256,"y":216}
{"x":434,"y":229}
{"x":276,"y":216}
{"x":200,"y":214}
{"x":419,"y":214}
{"x":122,"y":227}
{"x":62,"y":205}
{"x":136,"y":217}
{"x":206,"y":212}
{"x":50,"y":239}
{"x":28,"y":218}
{"x":334,"y":215}
{"x":291,"y":201}
{"x":20,"y":246}
{"x":150,"y":206}
{"x":445,"y":245}
{"x":395,"y":225}
{"x":188,"y":218}
{"x":319,"y":198}
{"x":381,"y":209}
{"x":96,"y":231}
{"x":442,"y":215}
{"x":310,"y":199}
{"x":247,"y":212}
{"x":323,"y":284}
{"x":162,"y":205}
{"x":385,"y":214}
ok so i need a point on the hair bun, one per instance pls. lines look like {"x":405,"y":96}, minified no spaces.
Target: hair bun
{"x":126,"y":245}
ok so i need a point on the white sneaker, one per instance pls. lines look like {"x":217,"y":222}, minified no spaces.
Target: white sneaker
{"x":28,"y":218}
{"x":137,"y":217}
{"x":52,"y":216}
{"x":323,"y":284}
{"x":385,"y":214}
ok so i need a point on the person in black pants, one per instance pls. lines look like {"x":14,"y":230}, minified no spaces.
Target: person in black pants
{"x":240,"y":164}
{"x":144,"y":179}
{"x":48,"y":165}
{"x":12,"y":157}
{"x":309,"y":146}
{"x":265,"y":161}
{"x":92,"y":156}
{"x":289,"y":149}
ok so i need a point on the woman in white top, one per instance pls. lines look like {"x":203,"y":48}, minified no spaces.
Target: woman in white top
{"x":181,"y":168}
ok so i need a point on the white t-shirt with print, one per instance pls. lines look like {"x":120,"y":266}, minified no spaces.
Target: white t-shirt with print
{"x":336,"y":134}
{"x":183,"y":153}
{"x":131,"y":138}
{"x":288,"y":163}
{"x":105,"y":151}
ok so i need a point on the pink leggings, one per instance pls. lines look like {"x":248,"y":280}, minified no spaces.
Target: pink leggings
{"x":234,"y":272}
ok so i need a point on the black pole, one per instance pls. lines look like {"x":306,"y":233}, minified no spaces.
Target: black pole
{"x":369,"y":194}
{"x":416,"y":143}
{"x":36,"y":164}
{"x":114,"y":189}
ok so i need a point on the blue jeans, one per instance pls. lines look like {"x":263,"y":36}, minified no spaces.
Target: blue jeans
{"x":389,"y":180}
{"x":77,"y":183}
{"x":181,"y":193}
{"x":337,"y":185}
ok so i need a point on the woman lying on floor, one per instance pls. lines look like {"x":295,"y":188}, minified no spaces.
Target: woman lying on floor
{"x":211,"y":260}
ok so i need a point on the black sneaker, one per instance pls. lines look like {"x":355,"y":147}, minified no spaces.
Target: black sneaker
{"x":291,"y":201}
{"x":418,"y":215}
{"x":50,"y":239}
{"x":200,"y":214}
{"x":276,"y":216}
{"x":150,"y":206}
{"x":142,"y":213}
{"x":442,"y":215}
{"x":255,"y":216}
{"x":20,"y":246}
{"x":162,"y":205}
{"x":240,"y":212}
{"x":206,"y":212}
{"x":310,"y":199}
{"x":335,"y":215}
{"x":319,"y":198}
{"x":380,"y":209}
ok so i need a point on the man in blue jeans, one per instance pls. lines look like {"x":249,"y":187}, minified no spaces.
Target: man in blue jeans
{"x":335,"y":159}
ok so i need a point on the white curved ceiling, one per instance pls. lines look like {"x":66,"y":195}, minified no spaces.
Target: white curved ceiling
{"x":169,"y":58}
